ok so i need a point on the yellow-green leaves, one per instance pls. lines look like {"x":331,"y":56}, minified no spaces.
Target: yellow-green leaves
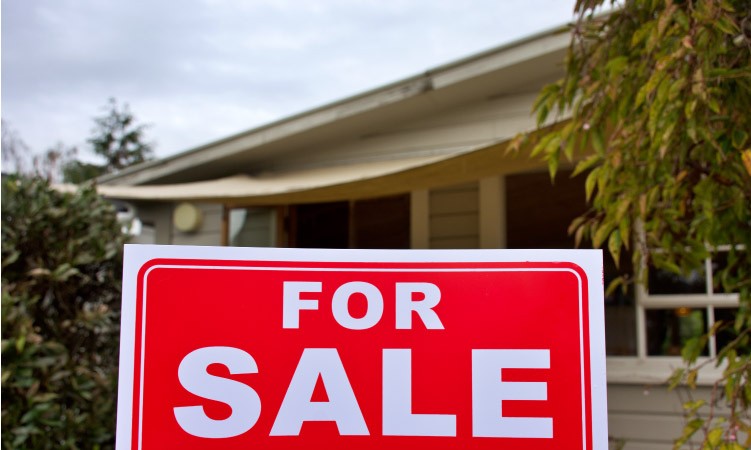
{"x":659,"y":94}
{"x":616,"y":65}
{"x":739,"y":138}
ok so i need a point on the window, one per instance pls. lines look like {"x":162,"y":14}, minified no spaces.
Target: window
{"x":252,"y":227}
{"x":538,"y":215}
{"x":652,"y":321}
{"x":379,"y":223}
{"x":673,"y":309}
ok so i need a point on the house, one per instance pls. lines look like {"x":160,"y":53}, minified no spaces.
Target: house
{"x":421,"y":163}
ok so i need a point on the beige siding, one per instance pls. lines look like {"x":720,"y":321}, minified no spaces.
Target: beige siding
{"x":492,"y":212}
{"x":454,"y":217}
{"x":147,"y":236}
{"x":255,"y":227}
{"x":419,"y":220}
{"x":649,"y":418}
{"x":159,"y":216}
{"x":210,"y":232}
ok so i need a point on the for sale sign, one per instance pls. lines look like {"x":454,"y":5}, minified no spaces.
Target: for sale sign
{"x":229,"y":348}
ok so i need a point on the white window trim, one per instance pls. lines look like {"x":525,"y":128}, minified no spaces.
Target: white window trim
{"x":647,"y":369}
{"x":655,"y":370}
{"x":709,"y":300}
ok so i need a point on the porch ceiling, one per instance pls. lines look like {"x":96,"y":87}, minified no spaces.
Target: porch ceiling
{"x":347,"y":182}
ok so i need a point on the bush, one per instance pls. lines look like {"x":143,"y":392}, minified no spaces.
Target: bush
{"x":61,"y":281}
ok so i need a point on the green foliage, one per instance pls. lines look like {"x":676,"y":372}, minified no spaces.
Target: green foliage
{"x":61,"y":268}
{"x":118,"y":139}
{"x":77,"y":172}
{"x":656,"y":99}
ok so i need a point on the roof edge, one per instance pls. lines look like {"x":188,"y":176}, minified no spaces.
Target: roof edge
{"x":409,"y":87}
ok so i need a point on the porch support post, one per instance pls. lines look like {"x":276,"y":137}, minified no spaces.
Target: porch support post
{"x":225,"y":225}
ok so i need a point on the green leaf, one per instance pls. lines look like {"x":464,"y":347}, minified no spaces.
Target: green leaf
{"x":591,"y":182}
{"x":614,"y":245}
{"x":616,"y":65}
{"x":675,"y":378}
{"x":714,"y":436}
{"x":586,"y":164}
{"x":714,"y":105}
{"x":692,"y":350}
{"x":598,"y":142}
{"x":739,"y":138}
{"x":691,"y":378}
{"x":552,"y":164}
{"x":641,"y":34}
{"x":619,"y":281}
{"x":726,"y":25}
{"x":20,"y":343}
{"x":542,"y":144}
{"x":601,"y":234}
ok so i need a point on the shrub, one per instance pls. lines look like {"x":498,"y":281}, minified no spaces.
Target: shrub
{"x":61,"y":281}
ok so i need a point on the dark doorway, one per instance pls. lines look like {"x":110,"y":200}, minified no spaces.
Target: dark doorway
{"x":380,"y":223}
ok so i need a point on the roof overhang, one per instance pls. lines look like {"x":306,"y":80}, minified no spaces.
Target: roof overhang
{"x":522,"y":66}
{"x":336,"y":183}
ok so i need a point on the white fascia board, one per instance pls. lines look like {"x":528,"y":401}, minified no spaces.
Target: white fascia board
{"x":143,"y":173}
{"x":512,"y":54}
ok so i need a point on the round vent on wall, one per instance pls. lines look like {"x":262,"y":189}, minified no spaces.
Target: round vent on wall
{"x":187,"y":217}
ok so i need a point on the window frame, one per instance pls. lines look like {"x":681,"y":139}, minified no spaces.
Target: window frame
{"x":645,"y":368}
{"x":709,"y":300}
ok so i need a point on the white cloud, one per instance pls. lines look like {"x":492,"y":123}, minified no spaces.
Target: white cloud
{"x":199,"y":70}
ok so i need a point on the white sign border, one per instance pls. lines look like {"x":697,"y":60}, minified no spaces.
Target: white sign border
{"x":590,"y":261}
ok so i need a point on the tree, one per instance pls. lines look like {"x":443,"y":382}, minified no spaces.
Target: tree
{"x":24,"y":161}
{"x":61,"y":268}
{"x":656,"y":99}
{"x":117,"y":139}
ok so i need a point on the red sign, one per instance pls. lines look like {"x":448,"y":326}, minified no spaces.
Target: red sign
{"x":372,"y":352}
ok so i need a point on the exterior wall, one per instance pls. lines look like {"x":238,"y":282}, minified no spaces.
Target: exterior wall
{"x":492,"y":198}
{"x":454,"y":214}
{"x":252,"y":227}
{"x":642,"y":415}
{"x":471,"y":216}
{"x":159,"y":216}
{"x":650,"y":418}
{"x":210,"y":232}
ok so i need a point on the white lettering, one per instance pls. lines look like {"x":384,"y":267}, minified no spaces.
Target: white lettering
{"x":244,"y":401}
{"x":424,"y":308}
{"x":292,"y":303}
{"x":398,"y":419}
{"x":342,"y":406}
{"x":340,"y":302}
{"x":489,"y":391}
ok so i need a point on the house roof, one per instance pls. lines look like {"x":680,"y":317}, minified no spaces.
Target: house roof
{"x":296,"y":142}
{"x":324,"y":184}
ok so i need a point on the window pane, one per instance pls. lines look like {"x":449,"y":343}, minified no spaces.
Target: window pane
{"x":382,"y":223}
{"x":669,"y":329}
{"x":539,"y":212}
{"x":663,"y":282}
{"x":322,"y":225}
{"x":620,"y":310}
{"x":722,"y":261}
{"x":620,"y":329}
{"x":726,"y":333}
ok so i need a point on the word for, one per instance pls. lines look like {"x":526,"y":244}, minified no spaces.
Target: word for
{"x":292,"y":304}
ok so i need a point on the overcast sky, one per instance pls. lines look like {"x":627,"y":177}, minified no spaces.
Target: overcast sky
{"x":200,"y":70}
